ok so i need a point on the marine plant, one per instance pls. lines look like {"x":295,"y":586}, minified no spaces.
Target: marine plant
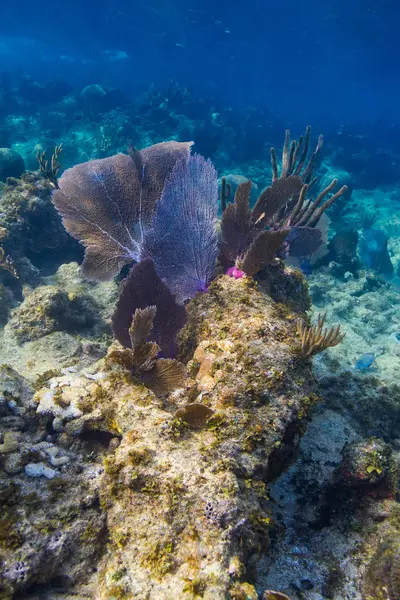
{"x":283,"y":214}
{"x":316,"y":339}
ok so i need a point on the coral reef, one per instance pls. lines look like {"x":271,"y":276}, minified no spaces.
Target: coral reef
{"x":33,"y":235}
{"x":235,"y":473}
{"x":48,"y":497}
{"x":64,"y":321}
{"x":47,"y":309}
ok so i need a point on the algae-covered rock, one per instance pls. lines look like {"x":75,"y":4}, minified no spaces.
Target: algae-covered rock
{"x":368,"y":465}
{"x":184,"y":502}
{"x":50,"y":522}
{"x":6,"y":300}
{"x":382,"y":579}
{"x":35,"y":233}
{"x":15,"y":392}
{"x":48,"y":309}
{"x":185,"y":498}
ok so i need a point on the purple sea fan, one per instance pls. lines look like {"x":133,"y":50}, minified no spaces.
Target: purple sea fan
{"x":183,"y":239}
{"x":107,"y":204}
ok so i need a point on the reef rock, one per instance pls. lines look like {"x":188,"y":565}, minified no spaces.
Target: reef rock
{"x":48,"y":309}
{"x":182,"y":481}
{"x":11,"y":164}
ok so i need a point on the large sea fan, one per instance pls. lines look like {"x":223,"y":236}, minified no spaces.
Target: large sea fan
{"x":107,"y":204}
{"x":182,"y":241}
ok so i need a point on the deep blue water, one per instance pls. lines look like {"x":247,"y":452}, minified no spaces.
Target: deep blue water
{"x":327,"y":62}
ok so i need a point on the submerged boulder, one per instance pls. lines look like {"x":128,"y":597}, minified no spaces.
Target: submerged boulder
{"x":11,"y":164}
{"x":48,"y":309}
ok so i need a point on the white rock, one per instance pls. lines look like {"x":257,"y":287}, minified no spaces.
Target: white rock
{"x":58,"y":461}
{"x":39,"y":470}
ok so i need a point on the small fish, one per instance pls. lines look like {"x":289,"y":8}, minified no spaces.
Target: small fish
{"x":365,"y":361}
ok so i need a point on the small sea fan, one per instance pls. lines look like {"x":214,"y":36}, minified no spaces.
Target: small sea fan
{"x":107,"y":204}
{"x":141,"y":289}
{"x":182,"y":241}
{"x":161,"y":375}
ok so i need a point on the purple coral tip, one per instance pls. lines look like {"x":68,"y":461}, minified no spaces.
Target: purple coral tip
{"x":235,"y":272}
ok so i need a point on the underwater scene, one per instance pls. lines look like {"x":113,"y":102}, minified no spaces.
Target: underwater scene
{"x":199,"y":300}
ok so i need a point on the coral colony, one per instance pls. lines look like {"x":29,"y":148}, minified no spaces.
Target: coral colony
{"x":158,"y":437}
{"x":158,"y":207}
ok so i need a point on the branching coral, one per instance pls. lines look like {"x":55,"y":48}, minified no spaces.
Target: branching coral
{"x":50,"y":170}
{"x":316,"y":339}
{"x":283,"y":207}
{"x":294,"y":158}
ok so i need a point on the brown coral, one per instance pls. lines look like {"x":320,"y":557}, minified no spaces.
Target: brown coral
{"x":161,"y":375}
{"x":315,"y":339}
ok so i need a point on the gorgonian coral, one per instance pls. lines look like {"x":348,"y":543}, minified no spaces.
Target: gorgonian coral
{"x":142,"y":288}
{"x":108,"y":204}
{"x":283,"y":219}
{"x":162,"y":375}
{"x":158,"y":208}
{"x":182,"y":241}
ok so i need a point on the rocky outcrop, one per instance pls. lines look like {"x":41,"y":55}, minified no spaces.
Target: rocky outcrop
{"x":181,"y":481}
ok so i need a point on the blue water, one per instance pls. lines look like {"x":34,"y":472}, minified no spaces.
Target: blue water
{"x":331,"y":62}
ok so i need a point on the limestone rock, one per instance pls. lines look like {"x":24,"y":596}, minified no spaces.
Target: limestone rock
{"x":185,"y":502}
